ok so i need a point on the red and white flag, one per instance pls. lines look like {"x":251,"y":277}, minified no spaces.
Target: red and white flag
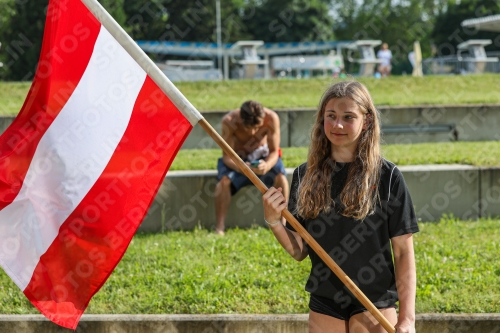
{"x":81,"y":163}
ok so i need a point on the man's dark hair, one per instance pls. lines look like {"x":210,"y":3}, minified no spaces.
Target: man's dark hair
{"x":251,"y":113}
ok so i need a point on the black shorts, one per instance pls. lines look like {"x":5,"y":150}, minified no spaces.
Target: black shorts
{"x":331,"y":308}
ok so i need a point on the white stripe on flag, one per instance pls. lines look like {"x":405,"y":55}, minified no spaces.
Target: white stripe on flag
{"x":70,"y":157}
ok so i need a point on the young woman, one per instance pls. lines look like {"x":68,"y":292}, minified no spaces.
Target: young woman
{"x":357,"y":207}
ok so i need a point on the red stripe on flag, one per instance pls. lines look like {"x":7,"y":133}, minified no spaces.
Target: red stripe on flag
{"x":95,"y":236}
{"x":68,"y":43}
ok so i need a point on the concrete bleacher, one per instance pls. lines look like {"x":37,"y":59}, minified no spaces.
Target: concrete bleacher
{"x":186,"y":198}
{"x":241,"y":323}
{"x":400,"y":124}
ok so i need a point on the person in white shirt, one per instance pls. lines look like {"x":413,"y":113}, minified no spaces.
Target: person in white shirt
{"x":385,"y":55}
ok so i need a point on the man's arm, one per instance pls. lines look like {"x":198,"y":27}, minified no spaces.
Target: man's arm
{"x":273,"y":143}
{"x":228,"y":136}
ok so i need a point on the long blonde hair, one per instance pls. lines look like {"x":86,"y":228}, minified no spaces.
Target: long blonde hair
{"x":360,"y":194}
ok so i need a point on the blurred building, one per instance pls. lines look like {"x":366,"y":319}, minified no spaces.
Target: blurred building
{"x":247,"y":59}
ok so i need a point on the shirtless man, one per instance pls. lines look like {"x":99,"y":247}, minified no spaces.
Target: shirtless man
{"x":253,"y":131}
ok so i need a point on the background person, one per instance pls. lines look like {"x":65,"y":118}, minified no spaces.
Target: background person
{"x":411,"y":58}
{"x":385,"y":55}
{"x":356,"y":205}
{"x":253,"y":131}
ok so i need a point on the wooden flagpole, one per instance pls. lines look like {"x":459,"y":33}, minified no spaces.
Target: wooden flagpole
{"x":195,"y":117}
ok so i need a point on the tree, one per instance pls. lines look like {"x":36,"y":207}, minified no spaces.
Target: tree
{"x":22,"y":36}
{"x":6,"y":12}
{"x":145,"y":19}
{"x":292,"y":21}
{"x":115,"y":9}
{"x":22,"y":39}
{"x":174,"y":20}
{"x":448,"y":32}
{"x":195,"y":20}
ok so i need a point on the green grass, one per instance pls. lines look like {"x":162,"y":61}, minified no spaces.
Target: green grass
{"x":248,"y":272}
{"x":396,"y":90}
{"x":458,"y":267}
{"x":12,"y":96}
{"x":194,"y":272}
{"x":485,"y":153}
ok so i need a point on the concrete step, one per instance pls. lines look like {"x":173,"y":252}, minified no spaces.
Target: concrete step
{"x":403,"y":124}
{"x":186,"y":198}
{"x":417,"y":123}
{"x":234,"y":323}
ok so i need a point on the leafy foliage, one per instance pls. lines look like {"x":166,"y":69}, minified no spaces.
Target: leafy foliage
{"x":6,"y":13}
{"x":21,"y":31}
{"x":448,"y":32}
{"x":22,"y":38}
{"x":195,"y":20}
{"x":146,"y":19}
{"x":292,"y":21}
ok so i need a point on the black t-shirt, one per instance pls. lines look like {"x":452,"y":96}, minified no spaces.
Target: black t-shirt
{"x":361,"y":248}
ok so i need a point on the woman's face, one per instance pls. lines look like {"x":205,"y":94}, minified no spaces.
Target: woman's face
{"x":343,"y":123}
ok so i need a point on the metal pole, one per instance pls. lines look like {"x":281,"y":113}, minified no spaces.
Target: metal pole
{"x":267,"y":74}
{"x":226,"y":66}
{"x":219,"y":38}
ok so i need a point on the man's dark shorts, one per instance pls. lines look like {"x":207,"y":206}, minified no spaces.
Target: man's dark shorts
{"x":239,"y":180}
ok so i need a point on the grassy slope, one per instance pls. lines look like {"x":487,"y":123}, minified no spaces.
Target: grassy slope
{"x":226,"y":95}
{"x":248,"y":272}
{"x":12,"y":95}
{"x":474,"y":153}
{"x":401,"y":90}
{"x":458,"y":267}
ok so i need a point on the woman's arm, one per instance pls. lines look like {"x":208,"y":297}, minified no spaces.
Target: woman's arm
{"x":274,"y":202}
{"x":406,"y":281}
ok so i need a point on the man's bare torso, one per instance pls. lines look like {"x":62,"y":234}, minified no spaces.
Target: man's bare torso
{"x":247,"y":140}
